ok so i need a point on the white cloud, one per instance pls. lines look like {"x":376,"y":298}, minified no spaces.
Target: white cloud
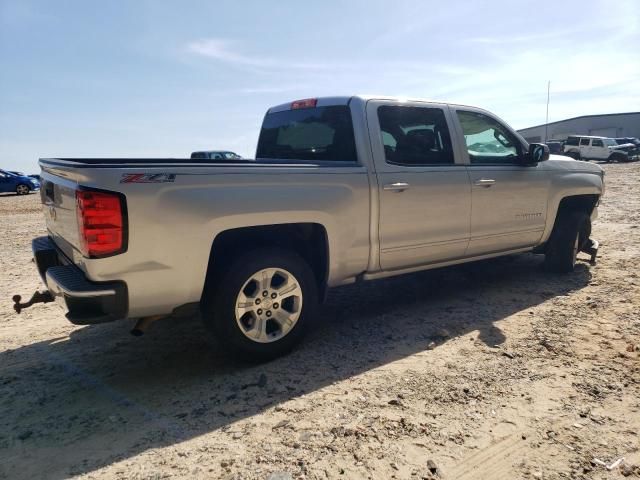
{"x":220,"y":49}
{"x":272,"y":89}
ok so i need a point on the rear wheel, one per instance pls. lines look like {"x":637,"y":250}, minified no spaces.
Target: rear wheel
{"x":22,"y":189}
{"x":574,"y":155}
{"x":260,"y":306}
{"x":570,"y":233}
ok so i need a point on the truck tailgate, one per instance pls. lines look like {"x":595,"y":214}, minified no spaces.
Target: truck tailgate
{"x":59,"y":206}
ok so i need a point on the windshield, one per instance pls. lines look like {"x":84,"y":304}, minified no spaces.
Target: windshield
{"x":610,"y":142}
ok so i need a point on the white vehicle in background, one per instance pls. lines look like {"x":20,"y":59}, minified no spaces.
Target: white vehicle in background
{"x":584,"y":147}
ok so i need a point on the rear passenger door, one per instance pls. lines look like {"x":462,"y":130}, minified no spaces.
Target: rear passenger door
{"x":424,"y":193}
{"x":598,"y":150}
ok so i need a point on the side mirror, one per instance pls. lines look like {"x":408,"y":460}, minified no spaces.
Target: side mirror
{"x":538,"y":152}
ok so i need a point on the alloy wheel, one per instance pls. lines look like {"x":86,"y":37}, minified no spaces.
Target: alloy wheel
{"x":268,"y":305}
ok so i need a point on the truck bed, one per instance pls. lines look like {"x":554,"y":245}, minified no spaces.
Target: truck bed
{"x":176,"y":208}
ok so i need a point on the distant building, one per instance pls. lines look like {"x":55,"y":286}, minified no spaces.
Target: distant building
{"x":609,"y":125}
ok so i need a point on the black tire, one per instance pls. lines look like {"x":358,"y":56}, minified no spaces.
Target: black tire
{"x":22,"y":189}
{"x":570,"y":233}
{"x":219,"y":303}
{"x":617,"y":157}
{"x":574,"y":155}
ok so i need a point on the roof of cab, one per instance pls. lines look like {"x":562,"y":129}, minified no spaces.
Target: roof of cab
{"x":322,"y":102}
{"x":344,"y":100}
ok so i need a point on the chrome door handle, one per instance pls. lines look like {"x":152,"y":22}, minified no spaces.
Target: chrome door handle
{"x":396,"y":187}
{"x":484,"y":182}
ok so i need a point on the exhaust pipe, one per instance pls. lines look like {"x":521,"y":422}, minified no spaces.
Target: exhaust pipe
{"x":143,"y":323}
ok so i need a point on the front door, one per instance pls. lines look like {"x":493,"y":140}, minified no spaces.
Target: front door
{"x":6,"y":185}
{"x":509,"y":200}
{"x":585,"y":148}
{"x":424,"y":193}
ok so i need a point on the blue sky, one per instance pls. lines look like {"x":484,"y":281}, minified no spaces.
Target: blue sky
{"x":163,"y":78}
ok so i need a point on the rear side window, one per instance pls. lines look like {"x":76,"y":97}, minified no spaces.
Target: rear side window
{"x":584,"y":142}
{"x":322,"y":133}
{"x":415,"y":136}
{"x":572,"y":141}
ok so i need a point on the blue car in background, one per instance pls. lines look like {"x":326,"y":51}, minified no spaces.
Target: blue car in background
{"x":20,"y":184}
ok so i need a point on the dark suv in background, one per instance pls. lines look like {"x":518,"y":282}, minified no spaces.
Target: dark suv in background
{"x":555,"y":146}
{"x":627,"y":140}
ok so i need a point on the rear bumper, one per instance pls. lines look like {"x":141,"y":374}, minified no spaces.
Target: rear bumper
{"x":87,"y":302}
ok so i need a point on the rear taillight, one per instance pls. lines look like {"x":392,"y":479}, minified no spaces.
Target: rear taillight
{"x":101,"y":223}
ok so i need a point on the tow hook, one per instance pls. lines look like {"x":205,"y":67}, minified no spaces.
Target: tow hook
{"x":38,"y":297}
{"x":591,"y":247}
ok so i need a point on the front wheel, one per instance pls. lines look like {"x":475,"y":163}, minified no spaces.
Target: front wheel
{"x":22,"y":189}
{"x":570,"y":233}
{"x":260,"y":306}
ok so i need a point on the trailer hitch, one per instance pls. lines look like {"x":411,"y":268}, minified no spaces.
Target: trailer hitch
{"x":38,"y":297}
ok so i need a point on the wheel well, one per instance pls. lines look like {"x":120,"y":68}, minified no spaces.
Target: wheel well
{"x":585,"y":203}
{"x":309,"y":240}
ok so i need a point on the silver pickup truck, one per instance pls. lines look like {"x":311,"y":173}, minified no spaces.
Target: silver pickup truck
{"x":343,"y":189}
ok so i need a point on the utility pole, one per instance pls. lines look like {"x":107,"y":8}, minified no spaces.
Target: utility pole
{"x":546,"y":124}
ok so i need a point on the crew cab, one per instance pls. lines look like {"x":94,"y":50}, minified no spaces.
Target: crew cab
{"x":596,"y":148}
{"x":343,"y":190}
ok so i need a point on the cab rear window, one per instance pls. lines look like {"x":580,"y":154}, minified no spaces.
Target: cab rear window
{"x":321,"y":133}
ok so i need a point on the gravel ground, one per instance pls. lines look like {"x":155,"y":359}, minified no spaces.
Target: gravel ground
{"x":495,"y":370}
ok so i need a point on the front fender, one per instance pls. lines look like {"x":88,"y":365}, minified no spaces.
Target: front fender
{"x":570,"y":184}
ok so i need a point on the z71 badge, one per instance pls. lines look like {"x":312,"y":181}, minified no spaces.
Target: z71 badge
{"x":148,"y":177}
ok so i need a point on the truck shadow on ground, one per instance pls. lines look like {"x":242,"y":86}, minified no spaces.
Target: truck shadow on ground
{"x":75,"y":404}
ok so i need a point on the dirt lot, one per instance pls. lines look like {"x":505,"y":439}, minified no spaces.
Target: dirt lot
{"x":492,"y":371}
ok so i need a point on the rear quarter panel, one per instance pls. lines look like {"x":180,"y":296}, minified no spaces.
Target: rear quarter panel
{"x":172,"y":225}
